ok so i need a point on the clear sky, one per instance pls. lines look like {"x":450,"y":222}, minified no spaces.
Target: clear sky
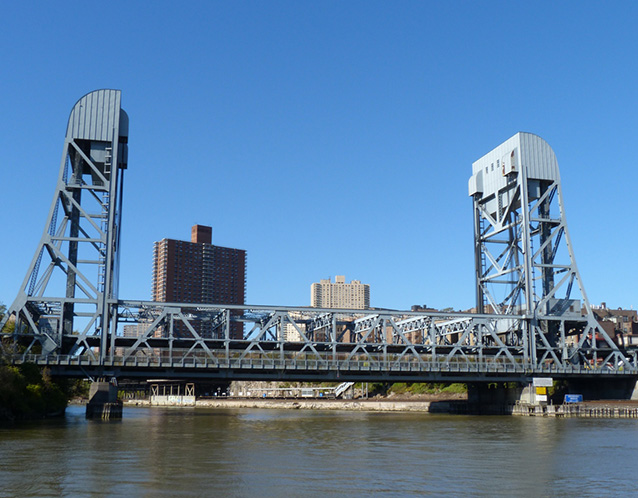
{"x":327,"y":138}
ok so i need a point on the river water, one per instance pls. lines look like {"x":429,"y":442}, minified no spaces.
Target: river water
{"x":264,"y":453}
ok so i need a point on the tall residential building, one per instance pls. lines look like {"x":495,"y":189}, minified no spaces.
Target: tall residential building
{"x":353,"y":295}
{"x":199,"y":272}
{"x":292,"y":333}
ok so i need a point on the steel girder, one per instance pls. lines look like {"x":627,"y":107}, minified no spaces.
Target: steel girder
{"x":381,"y":341}
{"x":524,"y":257}
{"x":70,"y":290}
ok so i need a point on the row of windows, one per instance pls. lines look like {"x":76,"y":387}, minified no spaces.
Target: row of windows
{"x":491,"y":167}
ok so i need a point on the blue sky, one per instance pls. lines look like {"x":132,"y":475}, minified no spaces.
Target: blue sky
{"x":327,"y":138}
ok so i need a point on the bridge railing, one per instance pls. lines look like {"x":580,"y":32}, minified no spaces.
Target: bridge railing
{"x":377,"y":364}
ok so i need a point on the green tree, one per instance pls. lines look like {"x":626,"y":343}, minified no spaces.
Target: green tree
{"x":26,"y":391}
{"x":29,"y":392}
{"x":9,"y":326}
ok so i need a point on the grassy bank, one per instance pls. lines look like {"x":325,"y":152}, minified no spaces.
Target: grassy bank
{"x":417,"y":388}
{"x":414,"y":389}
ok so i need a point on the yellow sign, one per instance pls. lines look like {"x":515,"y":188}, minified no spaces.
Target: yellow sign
{"x":541,"y":390}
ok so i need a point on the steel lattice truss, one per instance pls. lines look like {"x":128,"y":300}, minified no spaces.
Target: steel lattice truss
{"x":521,"y":245}
{"x":524,"y":258}
{"x":70,"y":289}
{"x":328,"y":344}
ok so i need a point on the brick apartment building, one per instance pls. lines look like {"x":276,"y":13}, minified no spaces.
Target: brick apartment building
{"x":199,"y":272}
{"x":620,"y":324}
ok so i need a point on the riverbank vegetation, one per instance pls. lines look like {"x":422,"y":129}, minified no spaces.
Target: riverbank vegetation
{"x":27,"y":392}
{"x":415,"y":389}
{"x":427,"y":388}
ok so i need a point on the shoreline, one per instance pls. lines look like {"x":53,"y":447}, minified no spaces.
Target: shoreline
{"x":590,"y":409}
{"x":371,"y":405}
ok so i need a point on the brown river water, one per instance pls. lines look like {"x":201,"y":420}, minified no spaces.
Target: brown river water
{"x":297,"y":453}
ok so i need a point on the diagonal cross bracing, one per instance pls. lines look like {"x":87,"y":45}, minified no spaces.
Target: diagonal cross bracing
{"x":516,"y":191}
{"x":525,"y":271}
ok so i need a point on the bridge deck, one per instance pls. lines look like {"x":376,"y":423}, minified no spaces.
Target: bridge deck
{"x":320,"y":369}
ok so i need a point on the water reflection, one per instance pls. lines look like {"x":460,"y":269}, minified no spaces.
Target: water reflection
{"x":190,"y":452}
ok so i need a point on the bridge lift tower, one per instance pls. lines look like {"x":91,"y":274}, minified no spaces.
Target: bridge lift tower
{"x":524,"y":259}
{"x":73,"y":277}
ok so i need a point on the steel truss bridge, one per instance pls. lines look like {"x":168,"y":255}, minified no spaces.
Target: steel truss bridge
{"x":530,"y":322}
{"x":330,"y":345}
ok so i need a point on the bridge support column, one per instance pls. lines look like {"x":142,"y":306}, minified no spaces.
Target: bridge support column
{"x":596,"y":389}
{"x":493,"y":398}
{"x":103,"y":402}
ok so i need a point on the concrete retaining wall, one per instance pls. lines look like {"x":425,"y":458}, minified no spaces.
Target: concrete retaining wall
{"x":172,"y":400}
{"x":300,"y":404}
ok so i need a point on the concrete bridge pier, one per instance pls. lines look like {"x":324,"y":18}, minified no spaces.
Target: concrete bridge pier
{"x":498,"y":398}
{"x":103,"y":403}
{"x":493,"y":398}
{"x":598,"y":389}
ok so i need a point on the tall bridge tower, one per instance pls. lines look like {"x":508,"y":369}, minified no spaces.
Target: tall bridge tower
{"x":72,"y":280}
{"x":524,"y":258}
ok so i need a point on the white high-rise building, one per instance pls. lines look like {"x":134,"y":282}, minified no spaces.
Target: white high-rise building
{"x":291,"y":333}
{"x":353,"y":295}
